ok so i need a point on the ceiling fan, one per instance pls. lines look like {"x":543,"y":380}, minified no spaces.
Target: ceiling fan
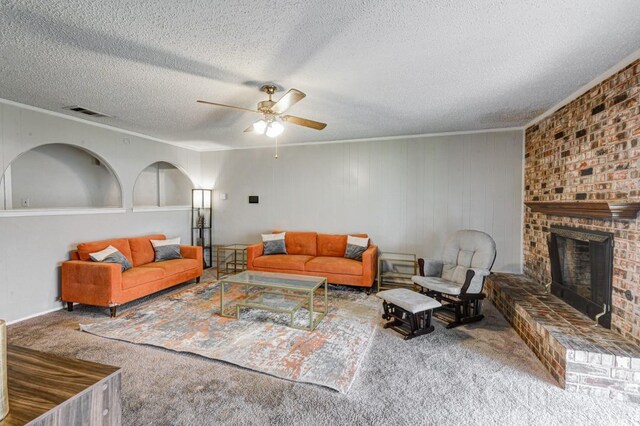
{"x":271,"y":123}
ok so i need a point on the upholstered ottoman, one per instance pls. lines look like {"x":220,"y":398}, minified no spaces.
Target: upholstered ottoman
{"x":409,"y":311}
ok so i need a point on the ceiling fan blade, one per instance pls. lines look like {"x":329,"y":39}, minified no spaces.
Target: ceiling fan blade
{"x":289,"y":99}
{"x":304,"y":122}
{"x":227,"y":106}
{"x":249,"y":129}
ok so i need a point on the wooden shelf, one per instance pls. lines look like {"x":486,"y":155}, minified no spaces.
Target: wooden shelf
{"x":587,"y":209}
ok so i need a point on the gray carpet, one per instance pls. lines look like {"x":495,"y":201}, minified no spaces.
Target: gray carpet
{"x":478,"y":374}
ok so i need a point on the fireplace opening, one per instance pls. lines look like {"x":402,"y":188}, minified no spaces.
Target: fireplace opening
{"x":581,"y":270}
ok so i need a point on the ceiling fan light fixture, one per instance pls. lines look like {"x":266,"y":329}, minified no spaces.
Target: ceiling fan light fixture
{"x":274,"y":129}
{"x":260,"y":126}
{"x":272,"y":113}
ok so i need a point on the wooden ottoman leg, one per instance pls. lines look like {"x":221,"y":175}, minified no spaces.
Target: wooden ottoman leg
{"x":385,"y":306}
{"x":408,"y":312}
{"x":420,"y":324}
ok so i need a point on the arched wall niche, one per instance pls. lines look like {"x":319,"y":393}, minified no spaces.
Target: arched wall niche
{"x":59,"y":176}
{"x":162,"y":184}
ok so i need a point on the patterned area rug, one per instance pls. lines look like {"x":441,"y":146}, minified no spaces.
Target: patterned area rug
{"x":188,"y":321}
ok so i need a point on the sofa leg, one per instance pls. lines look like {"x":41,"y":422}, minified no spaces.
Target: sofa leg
{"x":198,"y":280}
{"x":70,"y":306}
{"x":112,"y":311}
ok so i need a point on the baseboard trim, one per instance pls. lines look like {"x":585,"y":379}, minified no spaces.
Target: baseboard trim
{"x":34,"y":315}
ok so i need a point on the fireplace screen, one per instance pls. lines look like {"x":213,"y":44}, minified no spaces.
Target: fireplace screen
{"x":581,"y":265}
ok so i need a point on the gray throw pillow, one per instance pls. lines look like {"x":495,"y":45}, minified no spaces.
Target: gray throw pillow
{"x":111,"y":255}
{"x":355,"y":247}
{"x":166,"y":249}
{"x":274,"y":244}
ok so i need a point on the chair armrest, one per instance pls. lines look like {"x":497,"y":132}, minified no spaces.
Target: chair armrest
{"x":191,"y":252}
{"x":370,"y":264}
{"x":430,"y":267}
{"x":92,"y":283}
{"x":474,"y":280}
{"x":480,"y":272}
{"x":253,"y":251}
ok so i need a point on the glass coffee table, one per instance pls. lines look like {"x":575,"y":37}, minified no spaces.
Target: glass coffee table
{"x":281,"y":293}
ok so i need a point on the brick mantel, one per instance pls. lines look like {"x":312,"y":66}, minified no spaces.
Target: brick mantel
{"x":589,"y":210}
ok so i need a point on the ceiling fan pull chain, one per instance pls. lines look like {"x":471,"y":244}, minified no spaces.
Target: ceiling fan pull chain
{"x":276,"y":156}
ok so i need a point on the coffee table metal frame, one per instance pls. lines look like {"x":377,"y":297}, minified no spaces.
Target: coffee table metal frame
{"x":296,"y":290}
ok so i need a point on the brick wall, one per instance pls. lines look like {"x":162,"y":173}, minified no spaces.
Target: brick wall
{"x":588,"y":150}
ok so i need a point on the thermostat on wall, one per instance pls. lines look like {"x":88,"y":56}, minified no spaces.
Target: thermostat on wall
{"x":253,"y":199}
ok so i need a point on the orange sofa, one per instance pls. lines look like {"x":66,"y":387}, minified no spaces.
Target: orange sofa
{"x":310,"y":253}
{"x":103,"y":284}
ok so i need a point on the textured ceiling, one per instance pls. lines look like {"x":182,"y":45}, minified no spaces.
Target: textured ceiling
{"x":369,"y":68}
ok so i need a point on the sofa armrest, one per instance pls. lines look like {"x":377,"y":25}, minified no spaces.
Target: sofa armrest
{"x":91,"y":283}
{"x":430,"y":267}
{"x":191,"y":252}
{"x":370,"y":264}
{"x":253,"y":251}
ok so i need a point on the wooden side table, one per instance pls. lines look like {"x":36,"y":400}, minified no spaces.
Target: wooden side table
{"x":51,"y":390}
{"x":230,"y":259}
{"x":396,"y":269}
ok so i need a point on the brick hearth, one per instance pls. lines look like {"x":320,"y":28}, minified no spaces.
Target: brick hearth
{"x":581,"y":357}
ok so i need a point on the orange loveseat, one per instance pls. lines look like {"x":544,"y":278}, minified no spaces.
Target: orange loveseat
{"x":103,"y":284}
{"x":310,"y":253}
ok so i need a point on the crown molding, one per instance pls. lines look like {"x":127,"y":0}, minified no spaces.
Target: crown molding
{"x":91,"y":123}
{"x":376,"y":139}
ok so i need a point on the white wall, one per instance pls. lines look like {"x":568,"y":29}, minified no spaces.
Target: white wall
{"x":6,"y":183}
{"x":407,"y":194}
{"x":174,"y":187}
{"x":145,"y":191}
{"x":32,"y":248}
{"x":59,"y":175}
{"x":162,"y":184}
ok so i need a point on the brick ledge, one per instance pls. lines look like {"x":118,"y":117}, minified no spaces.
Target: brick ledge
{"x":581,"y":357}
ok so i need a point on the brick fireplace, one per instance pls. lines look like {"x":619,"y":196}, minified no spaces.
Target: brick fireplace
{"x":588,"y":151}
{"x":582,"y":175}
